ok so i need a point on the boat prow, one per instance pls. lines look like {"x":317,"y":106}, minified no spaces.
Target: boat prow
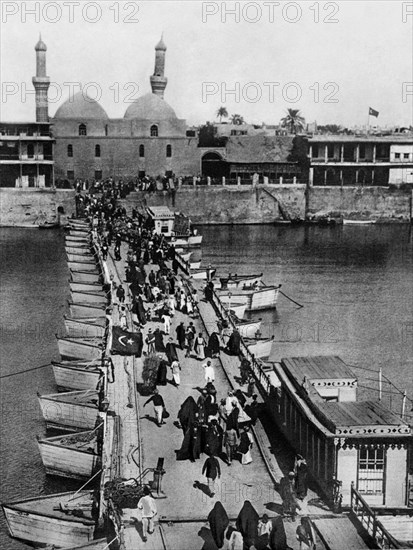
{"x":70,"y":411}
{"x":64,"y":520}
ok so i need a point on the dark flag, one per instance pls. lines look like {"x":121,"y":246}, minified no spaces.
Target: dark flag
{"x":372,"y":112}
{"x":126,"y":343}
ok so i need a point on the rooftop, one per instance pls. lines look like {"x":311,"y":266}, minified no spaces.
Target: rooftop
{"x":324,"y":367}
{"x":362,"y":413}
{"x":150,"y":107}
{"x":160,"y":212}
{"x":80,"y":107}
{"x":333,"y":138}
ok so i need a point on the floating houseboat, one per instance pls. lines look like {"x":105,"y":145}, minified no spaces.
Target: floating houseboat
{"x":76,"y":456}
{"x":70,"y":411}
{"x":342,"y":438}
{"x":240,"y":282}
{"x":89,"y":266}
{"x":77,"y":248}
{"x":62,"y":520}
{"x":247,"y":328}
{"x":85,"y":287}
{"x":173,"y":226}
{"x":259,"y":347}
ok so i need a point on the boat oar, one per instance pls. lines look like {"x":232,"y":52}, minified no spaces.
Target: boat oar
{"x":291,"y":300}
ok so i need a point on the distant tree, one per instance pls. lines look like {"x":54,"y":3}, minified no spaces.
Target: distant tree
{"x":237,"y":119}
{"x":330,"y":129}
{"x":222,"y":113}
{"x":208,"y":138}
{"x":293,"y":121}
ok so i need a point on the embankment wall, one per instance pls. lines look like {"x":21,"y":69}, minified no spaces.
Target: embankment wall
{"x":272,"y":203}
{"x":31,"y":206}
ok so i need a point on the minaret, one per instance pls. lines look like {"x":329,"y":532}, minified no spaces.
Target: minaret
{"x":41,"y":82}
{"x":158,"y":80}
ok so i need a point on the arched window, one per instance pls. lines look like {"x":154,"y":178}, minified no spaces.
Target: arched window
{"x":141,"y":151}
{"x":154,"y":130}
{"x":97,"y":150}
{"x":169,"y":150}
{"x":70,"y":150}
{"x":82,"y":130}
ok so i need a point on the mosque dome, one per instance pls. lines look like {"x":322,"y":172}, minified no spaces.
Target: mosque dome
{"x":150,"y":107}
{"x":80,"y":107}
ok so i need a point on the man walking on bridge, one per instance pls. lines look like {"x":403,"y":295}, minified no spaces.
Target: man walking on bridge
{"x":148,"y":507}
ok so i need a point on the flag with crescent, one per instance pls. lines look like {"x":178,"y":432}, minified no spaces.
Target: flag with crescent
{"x":126,"y":343}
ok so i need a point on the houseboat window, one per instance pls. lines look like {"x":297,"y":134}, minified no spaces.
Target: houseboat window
{"x":396,"y":155}
{"x":30,"y":150}
{"x":362,"y":151}
{"x":330,"y":151}
{"x":371,"y":471}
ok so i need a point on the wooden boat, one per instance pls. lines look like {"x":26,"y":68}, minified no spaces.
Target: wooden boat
{"x":49,"y":225}
{"x":237,"y":309}
{"x":70,"y":411}
{"x":78,"y":232}
{"x":195,"y":265}
{"x":77,"y":239}
{"x":203,"y":273}
{"x":89,"y":298}
{"x":184,"y":241}
{"x":78,"y":248}
{"x":53,"y":519}
{"x":248,"y":328}
{"x":358,"y":222}
{"x":84,"y":276}
{"x":239,"y":299}
{"x":80,"y":348}
{"x":82,"y":311}
{"x":85,"y":287}
{"x":83,"y":258}
{"x":86,"y":327}
{"x":76,"y":375}
{"x":241,"y":282}
{"x":264,"y":297}
{"x":75,"y":455}
{"x":259,"y":347}
{"x":83,"y":266}
{"x":98,"y":544}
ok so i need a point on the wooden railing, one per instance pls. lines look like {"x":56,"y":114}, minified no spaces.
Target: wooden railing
{"x":367,"y":518}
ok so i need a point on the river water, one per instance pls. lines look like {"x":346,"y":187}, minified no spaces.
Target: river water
{"x":355,"y":283}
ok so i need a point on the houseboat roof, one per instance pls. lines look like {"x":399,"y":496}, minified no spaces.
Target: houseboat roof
{"x":160,"y":212}
{"x":363,"y":418}
{"x":325,"y":367}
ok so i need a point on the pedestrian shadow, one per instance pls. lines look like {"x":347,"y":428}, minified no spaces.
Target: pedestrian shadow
{"x":150,"y":418}
{"x":318,"y":503}
{"x":138,"y":526}
{"x":206,"y":536}
{"x":202,"y":487}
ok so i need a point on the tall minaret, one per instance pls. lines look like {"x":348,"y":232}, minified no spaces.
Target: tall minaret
{"x":158,"y":80}
{"x":41,"y":83}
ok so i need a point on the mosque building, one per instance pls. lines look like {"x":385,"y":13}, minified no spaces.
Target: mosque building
{"x":149,"y":140}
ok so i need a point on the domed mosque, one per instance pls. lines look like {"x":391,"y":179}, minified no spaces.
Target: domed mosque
{"x":149,"y":140}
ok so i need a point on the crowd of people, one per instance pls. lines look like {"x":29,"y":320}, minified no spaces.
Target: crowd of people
{"x":217,"y":427}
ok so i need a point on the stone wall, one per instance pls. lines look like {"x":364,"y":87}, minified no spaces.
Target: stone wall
{"x":119,"y":156}
{"x":230,"y":204}
{"x":272,"y":203}
{"x":376,"y":203}
{"x":30,"y":206}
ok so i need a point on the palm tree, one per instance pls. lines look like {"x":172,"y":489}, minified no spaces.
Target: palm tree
{"x":237,"y":119}
{"x":293,"y":121}
{"x":222,"y":113}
